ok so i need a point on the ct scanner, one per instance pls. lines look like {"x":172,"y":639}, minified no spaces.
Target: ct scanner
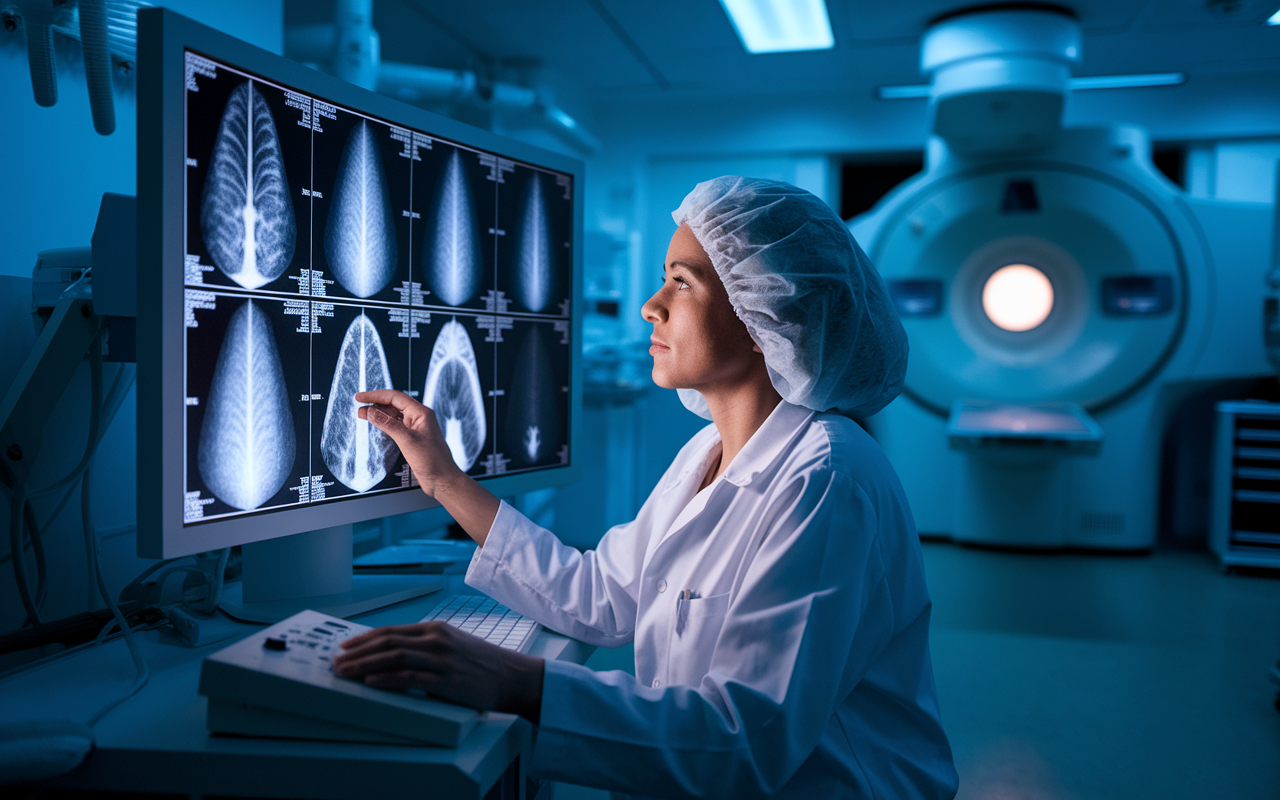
{"x":1060,"y":297}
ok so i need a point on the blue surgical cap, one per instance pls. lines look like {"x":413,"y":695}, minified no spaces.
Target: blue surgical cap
{"x":809,"y":296}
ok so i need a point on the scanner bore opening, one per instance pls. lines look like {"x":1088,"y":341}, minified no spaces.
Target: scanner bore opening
{"x":1017,"y":297}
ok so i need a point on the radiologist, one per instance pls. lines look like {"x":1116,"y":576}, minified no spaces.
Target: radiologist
{"x":773,"y":582}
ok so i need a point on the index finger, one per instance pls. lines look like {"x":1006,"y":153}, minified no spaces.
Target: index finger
{"x":389,"y":397}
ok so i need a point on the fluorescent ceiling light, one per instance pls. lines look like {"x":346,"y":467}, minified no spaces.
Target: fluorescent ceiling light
{"x":1129,"y":81}
{"x":1274,"y":19}
{"x":779,"y":26}
{"x":908,"y":91}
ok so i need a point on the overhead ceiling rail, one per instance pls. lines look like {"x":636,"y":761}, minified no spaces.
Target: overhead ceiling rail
{"x":350,"y":49}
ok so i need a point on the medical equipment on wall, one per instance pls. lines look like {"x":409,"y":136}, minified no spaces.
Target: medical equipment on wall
{"x":1037,"y":265}
{"x":101,"y":27}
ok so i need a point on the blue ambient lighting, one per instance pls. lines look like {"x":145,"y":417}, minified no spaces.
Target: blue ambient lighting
{"x":1274,"y":19}
{"x":779,"y":26}
{"x":907,"y":91}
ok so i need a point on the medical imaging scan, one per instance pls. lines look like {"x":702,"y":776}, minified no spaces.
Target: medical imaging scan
{"x":246,"y":213}
{"x":329,"y":253}
{"x":534,"y":256}
{"x":246,"y":427}
{"x":452,"y":256}
{"x":535,"y":426}
{"x":357,"y":453}
{"x":452,"y":390}
{"x":359,"y":238}
{"x":246,"y":441}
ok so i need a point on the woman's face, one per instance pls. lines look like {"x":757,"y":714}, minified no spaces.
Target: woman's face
{"x":698,"y":341}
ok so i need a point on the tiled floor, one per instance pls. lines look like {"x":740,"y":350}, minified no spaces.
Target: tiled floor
{"x":1094,"y":676}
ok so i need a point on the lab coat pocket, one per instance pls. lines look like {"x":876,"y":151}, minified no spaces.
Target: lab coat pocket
{"x":701,"y":613}
{"x":698,"y":624}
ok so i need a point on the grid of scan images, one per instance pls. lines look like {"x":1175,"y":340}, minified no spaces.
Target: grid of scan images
{"x":329,"y":252}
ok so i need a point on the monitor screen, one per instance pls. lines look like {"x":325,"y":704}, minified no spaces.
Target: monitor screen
{"x":334,"y":241}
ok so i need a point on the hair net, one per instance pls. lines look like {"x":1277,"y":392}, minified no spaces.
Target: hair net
{"x":809,"y":296}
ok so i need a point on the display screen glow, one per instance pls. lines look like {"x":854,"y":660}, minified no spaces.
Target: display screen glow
{"x":330,"y":252}
{"x":1017,"y":297}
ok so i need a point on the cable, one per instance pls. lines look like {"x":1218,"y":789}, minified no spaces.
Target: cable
{"x":42,"y":585}
{"x":15,"y":543}
{"x":31,"y":523}
{"x":91,"y":444}
{"x":115,"y":398}
{"x":34,"y":538}
{"x":91,"y":546}
{"x":215,"y":585}
{"x":37,"y":546}
{"x":108,"y":632}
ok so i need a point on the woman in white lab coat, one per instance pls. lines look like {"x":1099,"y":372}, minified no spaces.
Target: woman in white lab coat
{"x":772,"y":582}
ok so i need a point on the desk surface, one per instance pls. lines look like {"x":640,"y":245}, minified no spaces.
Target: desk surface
{"x":157,"y":741}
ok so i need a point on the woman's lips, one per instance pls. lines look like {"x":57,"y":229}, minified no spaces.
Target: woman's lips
{"x":657,"y":347}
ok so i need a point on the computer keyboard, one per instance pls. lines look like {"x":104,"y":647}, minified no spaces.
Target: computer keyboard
{"x":486,"y":618}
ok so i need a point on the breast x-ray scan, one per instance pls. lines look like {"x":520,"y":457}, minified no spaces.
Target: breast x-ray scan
{"x":328,"y":253}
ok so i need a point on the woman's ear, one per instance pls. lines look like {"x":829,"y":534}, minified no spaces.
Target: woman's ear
{"x":756,"y":347}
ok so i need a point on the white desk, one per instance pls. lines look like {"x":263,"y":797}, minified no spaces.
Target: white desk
{"x":157,"y":741}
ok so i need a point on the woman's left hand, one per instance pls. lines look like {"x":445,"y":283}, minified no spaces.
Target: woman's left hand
{"x":442,"y":660}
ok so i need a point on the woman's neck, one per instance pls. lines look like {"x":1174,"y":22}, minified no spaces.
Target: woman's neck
{"x":739,"y":411}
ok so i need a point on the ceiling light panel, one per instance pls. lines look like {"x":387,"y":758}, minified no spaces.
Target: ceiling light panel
{"x":780,"y":26}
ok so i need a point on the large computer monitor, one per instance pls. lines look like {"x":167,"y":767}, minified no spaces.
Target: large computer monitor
{"x":301,"y":239}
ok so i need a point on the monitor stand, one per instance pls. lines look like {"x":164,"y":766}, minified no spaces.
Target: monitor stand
{"x":312,"y":570}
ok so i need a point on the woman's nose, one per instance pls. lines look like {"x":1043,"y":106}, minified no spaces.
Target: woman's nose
{"x":653,"y":310}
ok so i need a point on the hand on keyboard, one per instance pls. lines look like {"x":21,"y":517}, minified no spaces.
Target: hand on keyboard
{"x":447,"y":662}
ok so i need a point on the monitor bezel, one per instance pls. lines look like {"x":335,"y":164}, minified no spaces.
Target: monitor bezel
{"x":163,"y":39}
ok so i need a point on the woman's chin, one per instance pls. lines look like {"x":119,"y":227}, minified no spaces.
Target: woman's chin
{"x":663,"y":380}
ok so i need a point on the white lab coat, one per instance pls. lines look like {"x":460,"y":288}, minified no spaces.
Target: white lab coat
{"x":800,"y":665}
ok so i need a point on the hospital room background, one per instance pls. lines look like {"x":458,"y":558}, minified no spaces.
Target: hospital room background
{"x":1103,"y":567}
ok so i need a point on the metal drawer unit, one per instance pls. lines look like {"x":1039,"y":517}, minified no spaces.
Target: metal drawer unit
{"x":1244,"y":527}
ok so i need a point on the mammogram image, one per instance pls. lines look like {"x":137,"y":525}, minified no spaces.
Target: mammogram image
{"x":534,"y":287}
{"x":452,"y":254}
{"x":247,"y":440}
{"x":453,"y":392}
{"x":246,"y":214}
{"x":533,"y":416}
{"x":357,"y":453}
{"x":360,"y":238}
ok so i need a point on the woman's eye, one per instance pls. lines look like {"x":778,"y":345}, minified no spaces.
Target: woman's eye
{"x":683,"y":284}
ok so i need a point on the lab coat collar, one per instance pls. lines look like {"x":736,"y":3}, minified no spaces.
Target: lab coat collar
{"x":770,"y":439}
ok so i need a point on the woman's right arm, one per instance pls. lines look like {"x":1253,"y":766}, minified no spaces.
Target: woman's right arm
{"x":414,"y":429}
{"x":590,"y":596}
